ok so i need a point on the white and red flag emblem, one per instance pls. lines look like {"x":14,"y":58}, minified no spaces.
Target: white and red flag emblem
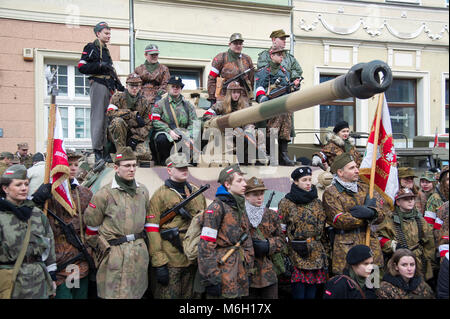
{"x":386,"y":174}
{"x":59,"y":173}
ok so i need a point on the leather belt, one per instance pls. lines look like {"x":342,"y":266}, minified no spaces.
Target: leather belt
{"x":127,"y":238}
{"x":361,"y":229}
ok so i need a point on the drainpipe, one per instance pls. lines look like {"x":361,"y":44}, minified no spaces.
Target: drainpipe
{"x":292,"y":37}
{"x":131,"y":33}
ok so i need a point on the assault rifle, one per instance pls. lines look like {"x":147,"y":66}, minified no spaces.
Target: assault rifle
{"x":73,"y":239}
{"x":240,"y":79}
{"x":187,"y":140}
{"x":270,"y":199}
{"x":250,"y":138}
{"x":115,"y":77}
{"x":178,"y":209}
{"x":284,"y":90}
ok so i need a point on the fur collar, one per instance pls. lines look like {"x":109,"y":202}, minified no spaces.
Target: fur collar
{"x":331,"y":137}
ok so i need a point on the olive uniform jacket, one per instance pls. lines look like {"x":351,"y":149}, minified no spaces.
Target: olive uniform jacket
{"x":162,"y":252}
{"x":350,"y":231}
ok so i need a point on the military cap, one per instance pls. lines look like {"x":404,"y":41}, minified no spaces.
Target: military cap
{"x":340,"y":161}
{"x":133,"y":79}
{"x":227,"y":171}
{"x":429,"y":176}
{"x":236,"y":37}
{"x":276,"y":48}
{"x":234,"y":86}
{"x":406,"y":172}
{"x":299,"y":172}
{"x":279,"y":34}
{"x":340,"y":126}
{"x":404,"y":192}
{"x":358,"y":254}
{"x":152,"y":49}
{"x":100,"y":26}
{"x":177,"y":160}
{"x":22,"y":146}
{"x":444,"y":171}
{"x":7,"y":155}
{"x":72,"y":154}
{"x":124,"y":154}
{"x":38,"y":157}
{"x":16,"y":171}
{"x":176,"y":80}
{"x":255,"y":184}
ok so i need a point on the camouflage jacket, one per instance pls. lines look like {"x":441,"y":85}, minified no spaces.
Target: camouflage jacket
{"x":162,"y":251}
{"x":350,"y":231}
{"x":3,"y":167}
{"x":335,"y":146}
{"x":434,"y":202}
{"x":63,"y":249}
{"x":394,"y":287}
{"x":421,"y":200}
{"x":422,"y":247}
{"x":33,"y":280}
{"x":221,"y":230}
{"x":153,"y":83}
{"x":289,"y":62}
{"x":162,"y":116}
{"x":223,"y":67}
{"x":270,"y":229}
{"x":306,"y":221}
{"x":25,"y":160}
{"x":441,"y":230}
{"x":111,"y":214}
{"x":142,"y":107}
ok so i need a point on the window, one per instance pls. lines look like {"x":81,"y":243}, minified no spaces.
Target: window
{"x":446,"y":106}
{"x":338,"y":110}
{"x":74,"y":104}
{"x":402,"y":101}
{"x":191,"y":77}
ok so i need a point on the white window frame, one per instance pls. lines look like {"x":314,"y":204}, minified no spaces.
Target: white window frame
{"x":444,"y":77}
{"x":42,"y":57}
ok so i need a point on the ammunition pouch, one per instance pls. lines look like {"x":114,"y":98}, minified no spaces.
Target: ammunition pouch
{"x":101,"y":250}
{"x":172,"y":235}
{"x":301,"y":248}
{"x":6,"y":283}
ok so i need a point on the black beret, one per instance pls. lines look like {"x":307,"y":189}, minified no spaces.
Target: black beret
{"x":358,"y":254}
{"x":299,"y":172}
{"x":176,"y":80}
{"x":339,"y":126}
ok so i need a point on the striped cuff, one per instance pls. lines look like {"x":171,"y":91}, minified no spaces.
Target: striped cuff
{"x":151,"y":228}
{"x":209,"y":234}
{"x":91,"y":231}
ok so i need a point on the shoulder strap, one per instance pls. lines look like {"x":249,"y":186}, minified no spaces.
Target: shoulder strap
{"x":356,"y":285}
{"x":79,"y":215}
{"x":23,"y":250}
{"x":171,"y":113}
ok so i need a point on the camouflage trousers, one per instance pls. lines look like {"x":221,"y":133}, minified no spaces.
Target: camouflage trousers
{"x":283,"y":123}
{"x":181,"y":280}
{"x":118,"y":133}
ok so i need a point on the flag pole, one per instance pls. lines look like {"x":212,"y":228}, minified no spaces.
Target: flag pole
{"x":374,"y":157}
{"x":51,"y":81}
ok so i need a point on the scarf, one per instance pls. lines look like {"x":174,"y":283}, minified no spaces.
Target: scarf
{"x":179,"y":187}
{"x":240,"y":204}
{"x":300,"y":196}
{"x":234,"y":105}
{"x":151,"y":67}
{"x":131,"y":100}
{"x":274,"y":67}
{"x":23,"y":211}
{"x":404,"y":215}
{"x":254,"y":213}
{"x":233,"y":56}
{"x":175,"y":100}
{"x":347,"y":145}
{"x":360,"y":280}
{"x":350,"y":186}
{"x":127,"y":186}
{"x":399,"y":282}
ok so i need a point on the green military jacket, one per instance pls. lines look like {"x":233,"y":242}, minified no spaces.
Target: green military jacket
{"x":27,"y":160}
{"x":434,"y":202}
{"x":111,"y":214}
{"x":33,"y":280}
{"x":290,"y":63}
{"x":3,"y":167}
{"x":162,"y":251}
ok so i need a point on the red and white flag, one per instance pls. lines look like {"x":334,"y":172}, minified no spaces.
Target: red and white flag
{"x":386,"y":174}
{"x":59,"y":174}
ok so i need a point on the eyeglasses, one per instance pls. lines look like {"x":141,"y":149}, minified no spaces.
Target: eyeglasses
{"x":128,"y":166}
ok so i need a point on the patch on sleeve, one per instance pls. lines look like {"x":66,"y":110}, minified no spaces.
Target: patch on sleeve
{"x":92,"y":205}
{"x":328,"y":292}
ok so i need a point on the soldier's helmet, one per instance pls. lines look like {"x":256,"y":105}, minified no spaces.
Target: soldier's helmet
{"x":276,"y":48}
{"x":234,"y":86}
{"x":236,"y":37}
{"x":134,"y":79}
{"x":404,"y":193}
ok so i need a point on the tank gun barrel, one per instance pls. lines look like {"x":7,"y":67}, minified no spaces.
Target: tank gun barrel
{"x":363,"y":81}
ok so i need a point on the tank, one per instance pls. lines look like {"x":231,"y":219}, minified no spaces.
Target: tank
{"x":362,"y":81}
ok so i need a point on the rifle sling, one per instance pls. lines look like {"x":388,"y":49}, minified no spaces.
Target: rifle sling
{"x":22,"y":253}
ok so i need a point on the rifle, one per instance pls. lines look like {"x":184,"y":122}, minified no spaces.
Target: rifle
{"x":241,"y":240}
{"x":320,"y":142}
{"x":270,"y":199}
{"x":240,"y":78}
{"x":283,"y":90}
{"x":178,"y":209}
{"x":115,"y":77}
{"x":187,"y":140}
{"x":249,"y":138}
{"x":73,"y":239}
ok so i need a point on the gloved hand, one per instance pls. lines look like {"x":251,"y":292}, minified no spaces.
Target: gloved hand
{"x":316,"y":160}
{"x":212,"y":101}
{"x":301,"y":248}
{"x":362,"y":212}
{"x":261,"y":247}
{"x":394,"y":245}
{"x":105,"y":67}
{"x":370,"y":202}
{"x":43,"y":193}
{"x":140,"y":120}
{"x":120,"y":87}
{"x":162,"y":275}
{"x":214,"y":290}
{"x":132,"y":143}
{"x":262,"y":98}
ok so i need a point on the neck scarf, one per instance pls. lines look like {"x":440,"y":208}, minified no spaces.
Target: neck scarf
{"x":240,"y":204}
{"x":131,"y":100}
{"x":347,"y":145}
{"x":179,"y":187}
{"x":175,"y":100}
{"x":360,"y":280}
{"x":23,"y":211}
{"x":151,"y":67}
{"x":300,"y":196}
{"x":254,"y":213}
{"x":405,"y":215}
{"x":233,"y":56}
{"x":350,"y":186}
{"x":127,"y":186}
{"x":274,"y":67}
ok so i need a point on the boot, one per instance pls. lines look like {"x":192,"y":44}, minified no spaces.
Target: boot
{"x":283,"y":157}
{"x":107,"y":158}
{"x":98,"y":155}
